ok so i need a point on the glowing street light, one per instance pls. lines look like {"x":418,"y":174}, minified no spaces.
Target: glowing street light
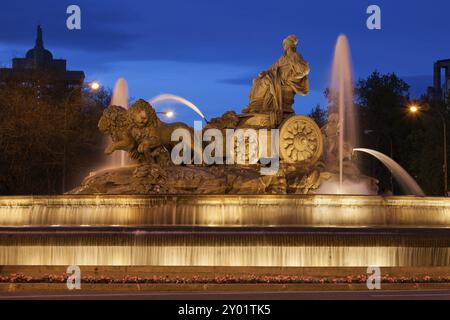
{"x":168,"y":114}
{"x":94,"y":85}
{"x":413,"y":108}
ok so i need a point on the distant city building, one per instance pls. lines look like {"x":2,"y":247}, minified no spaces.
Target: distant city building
{"x":39,"y":61}
{"x":440,"y":89}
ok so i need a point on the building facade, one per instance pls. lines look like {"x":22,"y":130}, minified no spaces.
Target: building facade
{"x":441,"y":87}
{"x":39,"y":62}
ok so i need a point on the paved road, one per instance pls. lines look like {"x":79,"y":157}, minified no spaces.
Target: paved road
{"x":297,"y":295}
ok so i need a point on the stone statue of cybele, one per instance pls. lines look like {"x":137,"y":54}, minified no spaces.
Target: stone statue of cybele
{"x":274,"y":90}
{"x":299,"y":167}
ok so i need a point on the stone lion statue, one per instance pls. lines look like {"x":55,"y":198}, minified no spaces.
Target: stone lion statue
{"x":273,"y":90}
{"x":144,"y":126}
{"x":115,"y":123}
{"x":139,"y":131}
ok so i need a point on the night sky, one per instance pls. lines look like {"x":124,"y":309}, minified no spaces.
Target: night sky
{"x":208,"y":51}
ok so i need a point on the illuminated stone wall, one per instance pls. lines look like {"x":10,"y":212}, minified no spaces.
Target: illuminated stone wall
{"x":225,"y":231}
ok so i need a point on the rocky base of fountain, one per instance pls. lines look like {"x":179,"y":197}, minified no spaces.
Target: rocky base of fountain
{"x":172,"y":179}
{"x":154,"y":179}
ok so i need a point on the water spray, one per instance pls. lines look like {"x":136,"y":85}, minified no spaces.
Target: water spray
{"x":170,"y":97}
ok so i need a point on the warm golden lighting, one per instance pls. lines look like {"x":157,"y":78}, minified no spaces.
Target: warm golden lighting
{"x":413,"y":109}
{"x":94,"y":85}
{"x":54,"y":214}
{"x":169,"y":114}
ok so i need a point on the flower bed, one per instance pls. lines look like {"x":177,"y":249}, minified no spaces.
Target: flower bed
{"x":225,"y":279}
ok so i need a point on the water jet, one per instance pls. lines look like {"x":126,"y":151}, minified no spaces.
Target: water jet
{"x":119,"y":98}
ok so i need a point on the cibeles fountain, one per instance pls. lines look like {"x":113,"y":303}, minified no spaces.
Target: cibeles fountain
{"x":266,"y":149}
{"x":284,"y":193}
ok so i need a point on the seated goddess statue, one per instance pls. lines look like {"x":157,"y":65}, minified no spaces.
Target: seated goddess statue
{"x":274,"y":90}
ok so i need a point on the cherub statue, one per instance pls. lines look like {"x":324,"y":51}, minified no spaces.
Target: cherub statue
{"x":331,"y":134}
{"x":331,"y":151}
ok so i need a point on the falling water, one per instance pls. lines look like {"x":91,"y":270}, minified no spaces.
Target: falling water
{"x":352,"y":249}
{"x":408,"y":184}
{"x":119,"y":98}
{"x":120,"y":94}
{"x":171,"y":97}
{"x":220,"y":231}
{"x":341,"y":90}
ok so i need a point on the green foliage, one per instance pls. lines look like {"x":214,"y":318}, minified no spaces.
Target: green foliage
{"x":414,"y":141}
{"x":37,"y":126}
{"x":319,"y":115}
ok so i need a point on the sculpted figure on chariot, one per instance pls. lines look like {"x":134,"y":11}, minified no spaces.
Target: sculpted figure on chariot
{"x":274,"y":90}
{"x":294,"y":144}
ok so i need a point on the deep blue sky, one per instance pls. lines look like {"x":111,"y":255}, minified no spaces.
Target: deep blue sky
{"x":208,"y":50}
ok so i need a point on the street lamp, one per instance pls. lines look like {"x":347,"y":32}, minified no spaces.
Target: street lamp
{"x":168,"y":114}
{"x":93,"y":86}
{"x":414,"y":109}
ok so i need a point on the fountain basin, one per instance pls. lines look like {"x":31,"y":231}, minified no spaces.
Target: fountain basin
{"x":230,"y":230}
{"x":225,"y":211}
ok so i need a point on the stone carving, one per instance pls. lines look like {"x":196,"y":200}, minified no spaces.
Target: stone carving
{"x":144,"y":131}
{"x":308,"y":155}
{"x":139,"y":131}
{"x":331,"y":155}
{"x":229,"y":120}
{"x":309,"y":182}
{"x":155,"y":179}
{"x":274,"y":90}
{"x":301,"y":140}
{"x":115,"y":123}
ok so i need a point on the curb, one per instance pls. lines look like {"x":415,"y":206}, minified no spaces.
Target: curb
{"x":86,"y":287}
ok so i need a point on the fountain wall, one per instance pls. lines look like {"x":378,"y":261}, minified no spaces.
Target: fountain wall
{"x":225,"y":231}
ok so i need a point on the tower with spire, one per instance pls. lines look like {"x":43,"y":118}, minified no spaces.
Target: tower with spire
{"x":39,"y":59}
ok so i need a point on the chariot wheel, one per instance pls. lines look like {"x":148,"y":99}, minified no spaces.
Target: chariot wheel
{"x":301,"y":141}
